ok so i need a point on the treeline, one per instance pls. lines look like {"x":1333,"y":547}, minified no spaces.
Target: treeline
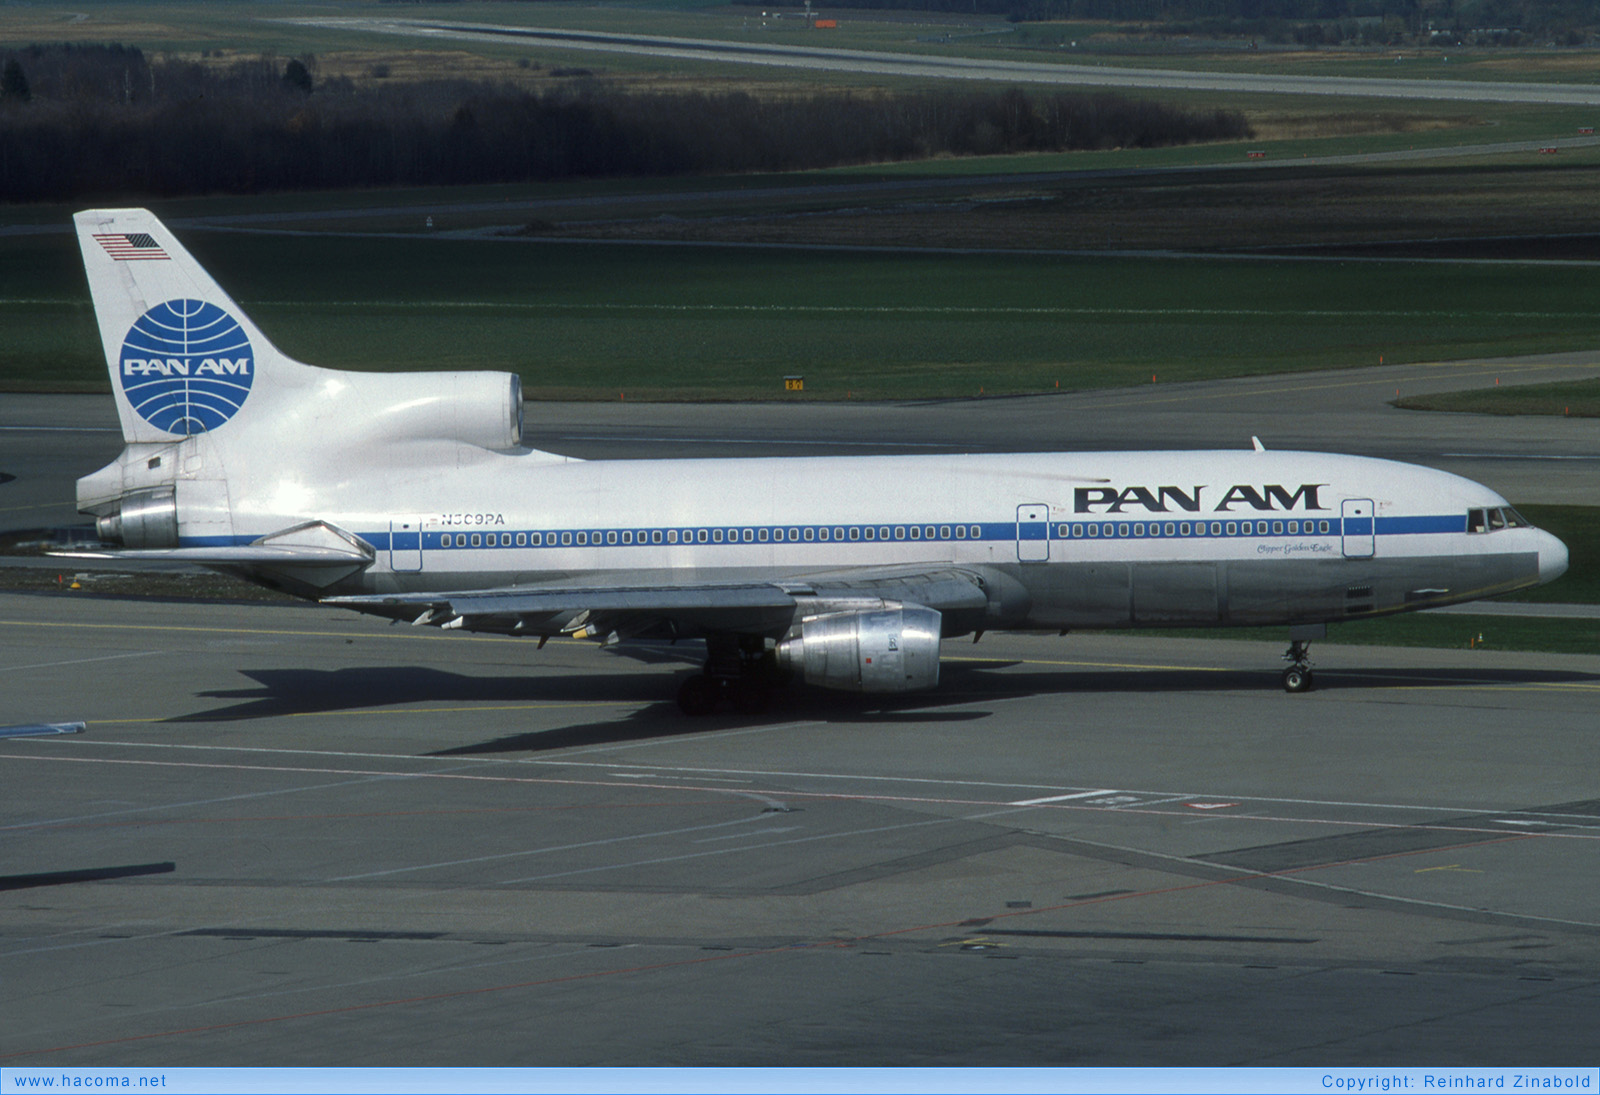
{"x":1492,"y":21}
{"x":91,"y":122}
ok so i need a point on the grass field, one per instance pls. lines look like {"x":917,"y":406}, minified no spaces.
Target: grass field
{"x":1578,"y":399}
{"x":1447,"y":631}
{"x":692,"y":322}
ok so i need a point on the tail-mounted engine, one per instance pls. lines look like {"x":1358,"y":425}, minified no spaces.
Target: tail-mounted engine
{"x":879,"y":650}
{"x":142,"y":519}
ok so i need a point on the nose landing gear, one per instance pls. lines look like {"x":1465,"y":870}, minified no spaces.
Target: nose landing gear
{"x":1298,"y":677}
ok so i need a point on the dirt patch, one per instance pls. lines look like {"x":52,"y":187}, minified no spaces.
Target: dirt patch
{"x":1280,"y":127}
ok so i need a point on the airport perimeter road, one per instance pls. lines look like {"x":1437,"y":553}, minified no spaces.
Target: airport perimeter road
{"x":925,"y":66}
{"x":292,"y":834}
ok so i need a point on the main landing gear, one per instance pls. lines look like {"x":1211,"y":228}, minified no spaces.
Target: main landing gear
{"x":739,"y":671}
{"x":1298,"y":677}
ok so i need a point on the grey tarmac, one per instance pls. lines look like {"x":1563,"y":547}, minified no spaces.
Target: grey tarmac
{"x":311,"y":838}
{"x":948,"y":67}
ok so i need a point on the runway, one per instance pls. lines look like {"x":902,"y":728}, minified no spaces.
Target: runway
{"x":294,"y":835}
{"x":947,"y":67}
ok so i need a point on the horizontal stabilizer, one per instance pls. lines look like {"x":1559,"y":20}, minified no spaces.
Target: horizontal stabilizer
{"x":312,"y":544}
{"x":243,"y":555}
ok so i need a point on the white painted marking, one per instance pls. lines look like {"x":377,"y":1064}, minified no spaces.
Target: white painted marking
{"x":81,"y":661}
{"x":751,"y":833}
{"x":1061,"y":798}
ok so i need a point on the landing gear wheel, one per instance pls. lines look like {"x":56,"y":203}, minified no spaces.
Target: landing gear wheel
{"x":1297,"y":679}
{"x":697,"y":695}
{"x":750,"y":695}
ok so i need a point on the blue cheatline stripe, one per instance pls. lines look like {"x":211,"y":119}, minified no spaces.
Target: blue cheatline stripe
{"x":1230,"y":526}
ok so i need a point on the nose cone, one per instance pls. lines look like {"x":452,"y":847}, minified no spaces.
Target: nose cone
{"x":1552,"y":558}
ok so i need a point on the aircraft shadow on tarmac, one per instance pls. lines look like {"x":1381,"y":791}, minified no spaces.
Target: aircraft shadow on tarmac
{"x":644,"y":708}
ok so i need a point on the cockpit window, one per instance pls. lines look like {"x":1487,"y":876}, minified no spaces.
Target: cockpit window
{"x":1492,"y":520}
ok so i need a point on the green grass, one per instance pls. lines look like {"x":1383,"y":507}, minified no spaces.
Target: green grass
{"x":1576,"y":399}
{"x":1445,"y":631}
{"x":1579,"y":528}
{"x":705,"y":322}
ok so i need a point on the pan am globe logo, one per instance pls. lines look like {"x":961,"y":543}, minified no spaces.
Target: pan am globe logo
{"x":186,"y":366}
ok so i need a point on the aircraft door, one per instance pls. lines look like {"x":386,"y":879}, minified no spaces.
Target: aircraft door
{"x":405,"y":544}
{"x":1033,"y":533}
{"x":1359,"y":528}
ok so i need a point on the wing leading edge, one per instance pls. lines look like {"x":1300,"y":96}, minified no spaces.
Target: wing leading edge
{"x":614,"y":613}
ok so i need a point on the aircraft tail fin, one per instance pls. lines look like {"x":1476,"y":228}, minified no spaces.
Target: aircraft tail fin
{"x":183,"y":357}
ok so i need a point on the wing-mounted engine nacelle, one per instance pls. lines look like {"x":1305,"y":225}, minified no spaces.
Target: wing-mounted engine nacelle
{"x":142,"y":519}
{"x":878,"y":650}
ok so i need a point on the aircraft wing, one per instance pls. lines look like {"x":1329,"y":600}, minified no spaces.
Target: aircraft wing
{"x":617,"y":612}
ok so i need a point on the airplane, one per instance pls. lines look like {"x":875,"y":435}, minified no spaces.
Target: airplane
{"x":413,"y":497}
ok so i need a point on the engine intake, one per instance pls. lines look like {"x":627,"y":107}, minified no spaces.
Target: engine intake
{"x":879,"y":650}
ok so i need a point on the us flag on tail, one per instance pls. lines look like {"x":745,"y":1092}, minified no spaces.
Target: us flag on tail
{"x":130,"y":246}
